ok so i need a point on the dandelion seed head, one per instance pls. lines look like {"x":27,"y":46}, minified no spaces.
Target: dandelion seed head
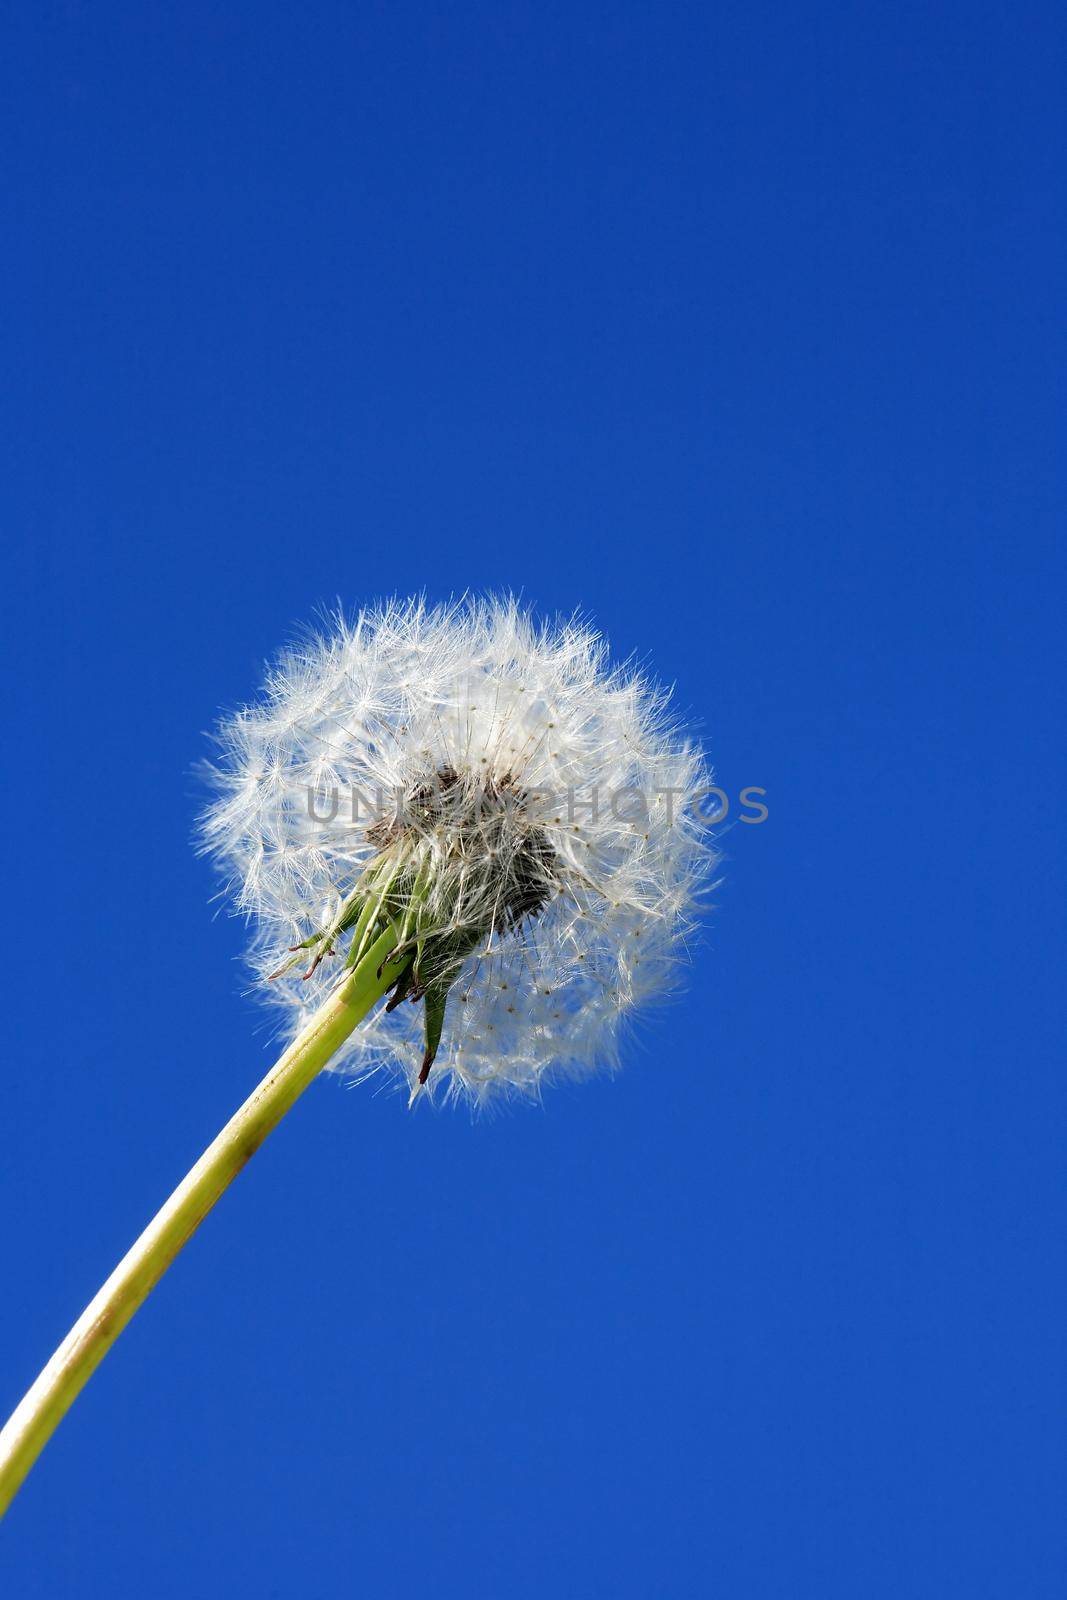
{"x":541,"y":792}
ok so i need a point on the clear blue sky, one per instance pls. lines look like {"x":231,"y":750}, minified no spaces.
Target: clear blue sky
{"x":738,"y":327}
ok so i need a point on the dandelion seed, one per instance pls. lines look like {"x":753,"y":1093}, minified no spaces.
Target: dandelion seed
{"x":501,"y":879}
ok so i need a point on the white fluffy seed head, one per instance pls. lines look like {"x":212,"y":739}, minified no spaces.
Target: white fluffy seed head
{"x":547,"y":796}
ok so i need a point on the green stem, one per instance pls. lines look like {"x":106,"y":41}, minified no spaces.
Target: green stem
{"x":32,"y":1423}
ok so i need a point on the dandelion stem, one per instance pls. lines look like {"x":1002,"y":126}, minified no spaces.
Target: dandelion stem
{"x":32,"y":1423}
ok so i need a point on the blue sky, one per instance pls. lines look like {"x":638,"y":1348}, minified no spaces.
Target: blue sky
{"x":736,"y":327}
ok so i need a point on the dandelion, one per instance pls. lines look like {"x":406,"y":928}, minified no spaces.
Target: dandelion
{"x":467,"y":849}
